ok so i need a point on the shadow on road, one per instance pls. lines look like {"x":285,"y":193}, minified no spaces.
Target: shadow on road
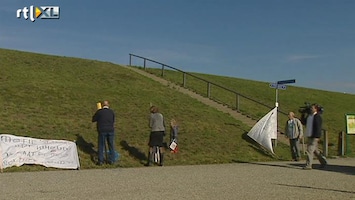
{"x":350,"y":170}
{"x":315,"y":188}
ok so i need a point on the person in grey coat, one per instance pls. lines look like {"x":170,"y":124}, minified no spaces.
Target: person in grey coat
{"x":156,"y":137}
{"x":294,"y":132}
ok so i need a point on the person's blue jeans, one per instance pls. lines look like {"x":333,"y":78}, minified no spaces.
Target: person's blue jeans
{"x":104,"y":137}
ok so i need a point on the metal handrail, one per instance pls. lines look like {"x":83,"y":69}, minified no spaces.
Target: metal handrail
{"x":208,"y":82}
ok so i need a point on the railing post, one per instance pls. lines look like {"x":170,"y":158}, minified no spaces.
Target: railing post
{"x":237,"y":102}
{"x":274,"y":142}
{"x":341,"y":143}
{"x":325,"y":143}
{"x":144,"y":65}
{"x":130,"y":59}
{"x":162,"y":70}
{"x":208,"y":89}
{"x":184,"y":79}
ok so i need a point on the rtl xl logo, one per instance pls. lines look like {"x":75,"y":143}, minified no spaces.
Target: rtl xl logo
{"x":42,"y":12}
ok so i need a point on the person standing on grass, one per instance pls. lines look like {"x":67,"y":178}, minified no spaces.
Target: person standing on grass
{"x":156,"y":137}
{"x":105,"y":119}
{"x":294,"y":131}
{"x":314,"y":132}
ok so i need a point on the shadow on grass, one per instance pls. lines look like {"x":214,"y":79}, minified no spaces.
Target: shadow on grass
{"x":257,"y":147}
{"x":237,"y":126}
{"x":134,"y":152}
{"x":86,"y":147}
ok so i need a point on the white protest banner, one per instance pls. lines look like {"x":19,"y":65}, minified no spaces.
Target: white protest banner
{"x":265,"y":130}
{"x":16,"y":151}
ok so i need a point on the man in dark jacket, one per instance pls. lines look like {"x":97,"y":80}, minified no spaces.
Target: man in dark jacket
{"x":105,"y":119}
{"x":314,"y":132}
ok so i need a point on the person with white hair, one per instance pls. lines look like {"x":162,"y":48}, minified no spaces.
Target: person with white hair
{"x":294,"y":132}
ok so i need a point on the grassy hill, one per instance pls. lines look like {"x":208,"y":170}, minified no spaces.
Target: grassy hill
{"x":335,"y":104}
{"x":54,"y":97}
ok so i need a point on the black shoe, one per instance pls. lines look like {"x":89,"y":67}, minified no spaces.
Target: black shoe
{"x":161,"y":163}
{"x":322,"y":166}
{"x":99,"y":163}
{"x":150,"y":160}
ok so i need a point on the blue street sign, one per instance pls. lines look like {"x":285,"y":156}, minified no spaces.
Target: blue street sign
{"x":273,"y":85}
{"x":286,"y":81}
{"x":282,"y":87}
{"x":277,"y":86}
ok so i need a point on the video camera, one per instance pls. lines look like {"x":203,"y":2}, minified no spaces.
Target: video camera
{"x":307,"y":110}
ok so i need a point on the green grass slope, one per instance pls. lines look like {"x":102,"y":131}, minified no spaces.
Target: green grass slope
{"x":54,"y":97}
{"x":335,"y":104}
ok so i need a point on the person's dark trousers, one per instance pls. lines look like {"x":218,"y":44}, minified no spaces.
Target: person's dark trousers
{"x":150,"y":159}
{"x":295,"y":150}
{"x":161,"y":158}
{"x":102,"y":138}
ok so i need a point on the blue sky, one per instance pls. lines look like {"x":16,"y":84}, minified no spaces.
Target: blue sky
{"x":312,"y":41}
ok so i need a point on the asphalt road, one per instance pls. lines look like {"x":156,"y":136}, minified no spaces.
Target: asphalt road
{"x":271,"y":180}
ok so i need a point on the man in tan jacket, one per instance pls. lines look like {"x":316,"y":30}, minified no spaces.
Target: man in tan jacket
{"x":294,"y":132}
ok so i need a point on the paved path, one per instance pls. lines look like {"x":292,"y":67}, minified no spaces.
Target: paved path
{"x":272,"y":180}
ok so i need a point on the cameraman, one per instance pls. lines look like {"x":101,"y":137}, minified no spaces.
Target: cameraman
{"x":314,"y":132}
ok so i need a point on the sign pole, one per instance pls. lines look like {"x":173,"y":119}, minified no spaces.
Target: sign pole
{"x":277,"y":112}
{"x":350,"y":130}
{"x":277,"y":98}
{"x":279,"y":85}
